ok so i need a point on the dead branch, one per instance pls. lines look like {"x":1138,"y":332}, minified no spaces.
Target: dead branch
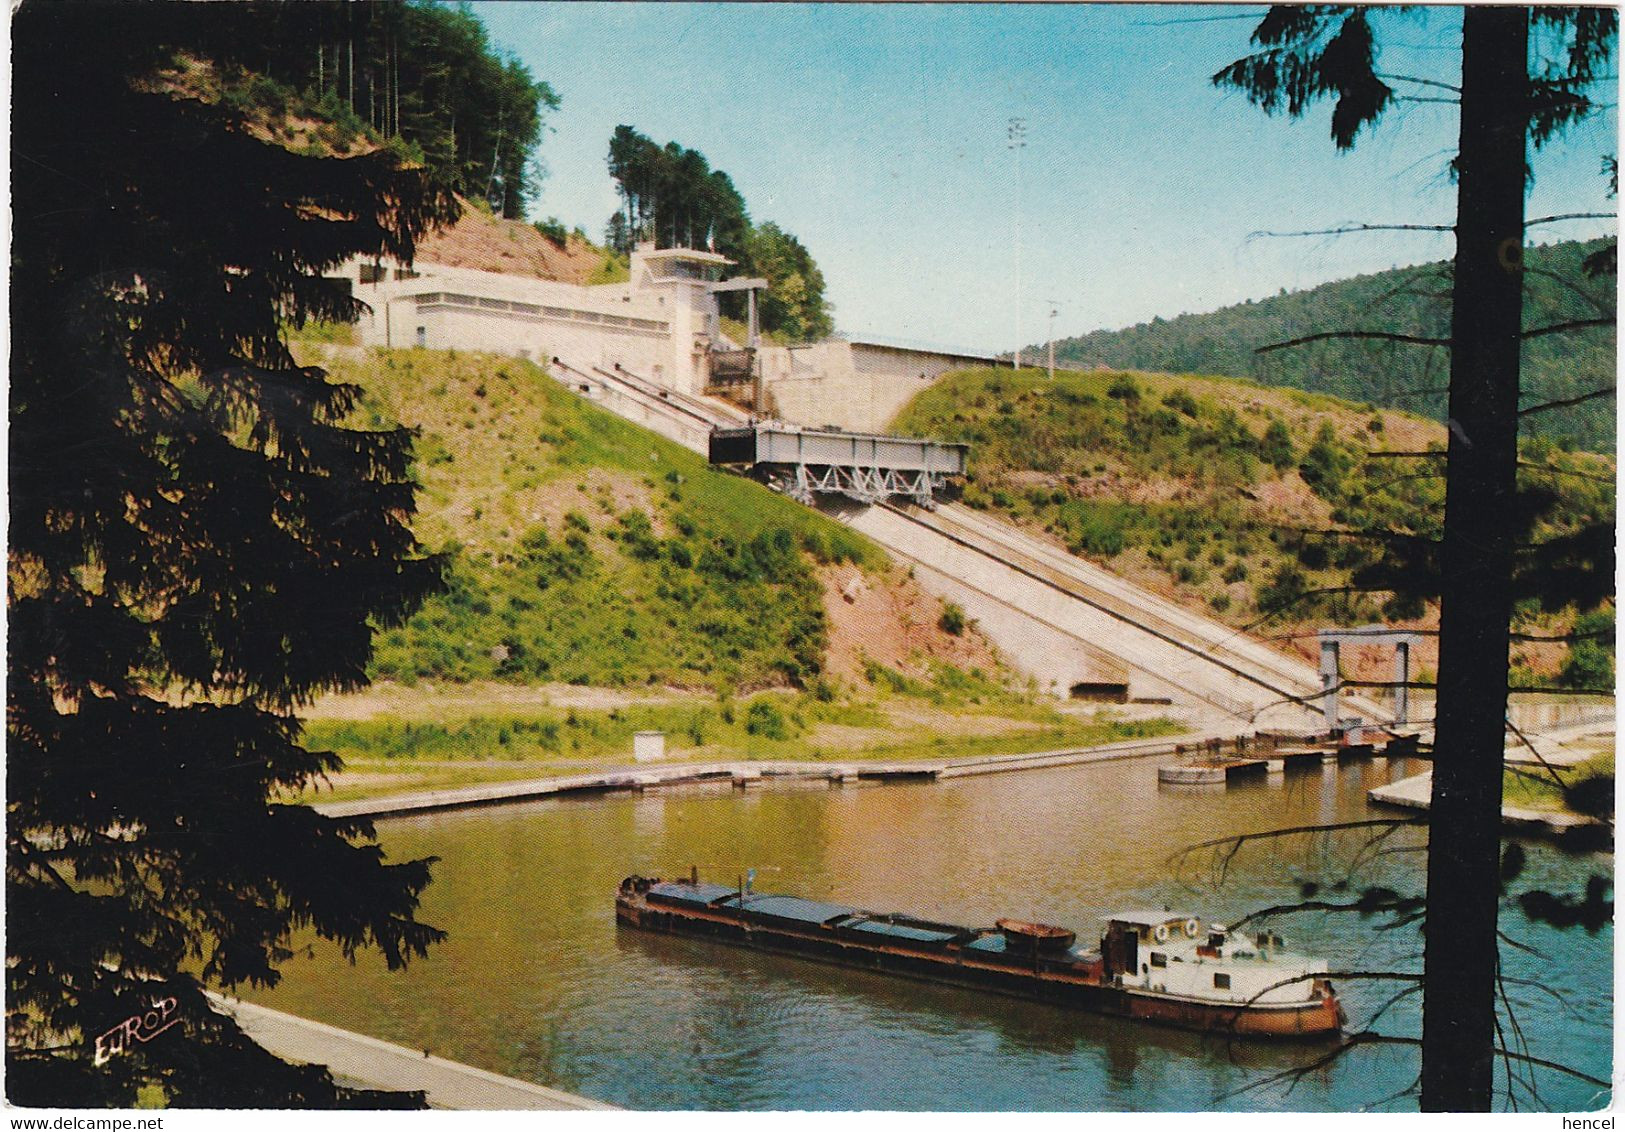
{"x":1574,"y":472}
{"x":1564,"y":327}
{"x":1581,"y":399}
{"x":1318,"y":906}
{"x":1349,"y":228}
{"x":1569,"y":216}
{"x":1561,"y":280}
{"x":1419,"y":82}
{"x":1372,"y":335}
{"x":1237,"y":841}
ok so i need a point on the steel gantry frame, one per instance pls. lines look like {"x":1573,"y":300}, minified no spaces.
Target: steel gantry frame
{"x":1331,"y":642}
{"x":866,"y":485}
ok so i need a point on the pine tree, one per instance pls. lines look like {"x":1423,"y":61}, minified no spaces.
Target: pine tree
{"x":202,"y":538}
{"x":1310,"y":53}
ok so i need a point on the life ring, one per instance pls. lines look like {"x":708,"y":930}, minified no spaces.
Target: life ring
{"x":1161,"y":933}
{"x":1193,"y":927}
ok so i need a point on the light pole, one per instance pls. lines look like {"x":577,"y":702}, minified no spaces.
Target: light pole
{"x":1017,"y":141}
{"x":1054,"y":309}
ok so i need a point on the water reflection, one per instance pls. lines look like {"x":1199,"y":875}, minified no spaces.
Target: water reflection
{"x":537,"y":982}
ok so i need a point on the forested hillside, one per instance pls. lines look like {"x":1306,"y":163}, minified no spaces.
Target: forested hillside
{"x":1411,"y":301}
{"x":418,"y":73}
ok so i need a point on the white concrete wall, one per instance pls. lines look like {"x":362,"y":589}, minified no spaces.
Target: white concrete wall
{"x":816,"y":385}
{"x":586,"y":325}
{"x":440,"y":326}
{"x":858,"y":386}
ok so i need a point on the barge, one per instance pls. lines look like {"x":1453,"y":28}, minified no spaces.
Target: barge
{"x":1153,"y":966}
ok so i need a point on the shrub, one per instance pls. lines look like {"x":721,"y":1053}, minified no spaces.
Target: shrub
{"x":1590,"y":663}
{"x":1181,"y":402}
{"x":763,"y":718}
{"x":638,"y":537}
{"x":553,"y":228}
{"x":1124,"y":389}
{"x":952,"y":620}
{"x":1284,"y":589}
{"x":1314,"y":555}
{"x":1276,"y":447}
{"x":1325,"y":464}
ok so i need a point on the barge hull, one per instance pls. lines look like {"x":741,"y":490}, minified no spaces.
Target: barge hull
{"x":1039,"y":980}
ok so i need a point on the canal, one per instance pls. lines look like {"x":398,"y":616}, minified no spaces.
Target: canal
{"x":537,"y":982}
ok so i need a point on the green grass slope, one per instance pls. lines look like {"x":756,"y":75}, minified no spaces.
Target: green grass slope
{"x":1413,"y":300}
{"x":1214,"y":490}
{"x":582,"y":549}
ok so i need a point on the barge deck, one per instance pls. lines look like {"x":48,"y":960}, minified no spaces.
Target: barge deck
{"x":1152,"y":966}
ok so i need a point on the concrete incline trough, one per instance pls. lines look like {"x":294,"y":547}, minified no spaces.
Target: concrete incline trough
{"x":991,"y":563}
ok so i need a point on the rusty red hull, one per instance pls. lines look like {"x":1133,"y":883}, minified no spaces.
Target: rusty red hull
{"x":960,"y":957}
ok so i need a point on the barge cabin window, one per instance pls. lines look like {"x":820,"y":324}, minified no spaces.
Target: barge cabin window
{"x":1221,"y":982}
{"x":1158,"y":959}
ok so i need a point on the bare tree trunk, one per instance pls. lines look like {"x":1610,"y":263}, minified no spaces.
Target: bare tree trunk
{"x":1458,"y":1013}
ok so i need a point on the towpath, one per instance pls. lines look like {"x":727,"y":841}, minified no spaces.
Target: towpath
{"x":644,"y":776}
{"x":376,"y":1064}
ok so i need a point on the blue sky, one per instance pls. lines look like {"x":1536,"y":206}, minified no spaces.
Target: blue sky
{"x":877,"y":134}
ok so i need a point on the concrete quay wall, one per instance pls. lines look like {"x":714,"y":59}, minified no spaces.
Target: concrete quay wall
{"x":377,"y":1064}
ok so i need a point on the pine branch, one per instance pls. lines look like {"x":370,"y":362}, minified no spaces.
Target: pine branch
{"x":1569,"y":216}
{"x":1347,"y":229}
{"x":1419,"y":82}
{"x":1371,"y":335}
{"x":1564,"y":327}
{"x":1580,"y":400}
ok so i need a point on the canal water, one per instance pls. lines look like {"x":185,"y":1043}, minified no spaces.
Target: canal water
{"x":536,"y":981}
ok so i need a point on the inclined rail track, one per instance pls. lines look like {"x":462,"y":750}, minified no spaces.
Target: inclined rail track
{"x":1236,"y":709}
{"x":1031,"y":567}
{"x":1147,"y":609}
{"x":691,"y":419}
